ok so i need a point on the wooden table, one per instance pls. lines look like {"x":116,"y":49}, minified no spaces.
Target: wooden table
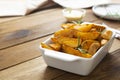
{"x":20,"y":57}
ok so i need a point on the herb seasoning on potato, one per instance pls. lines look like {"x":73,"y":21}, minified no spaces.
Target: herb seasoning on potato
{"x":79,"y":39}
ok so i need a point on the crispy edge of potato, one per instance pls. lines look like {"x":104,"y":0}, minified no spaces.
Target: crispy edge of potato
{"x":85,"y":27}
{"x":54,"y":40}
{"x":94,"y":47}
{"x":103,"y":42}
{"x":99,"y":28}
{"x":70,"y":50}
{"x":43,"y":45}
{"x":72,"y":42}
{"x":106,"y":34}
{"x":86,"y":55}
{"x":68,"y":26}
{"x":55,"y":46}
{"x":87,"y":35}
{"x":65,"y":33}
{"x":86,"y":44}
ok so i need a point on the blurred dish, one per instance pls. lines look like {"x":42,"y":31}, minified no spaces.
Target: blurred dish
{"x":108,"y":11}
{"x":73,"y":14}
{"x":80,"y":3}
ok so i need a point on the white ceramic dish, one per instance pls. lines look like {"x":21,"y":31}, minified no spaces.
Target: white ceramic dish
{"x":74,"y":64}
{"x":108,"y":11}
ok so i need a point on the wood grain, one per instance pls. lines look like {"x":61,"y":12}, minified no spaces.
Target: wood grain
{"x":5,"y":19}
{"x":17,"y":54}
{"x":30,"y":27}
{"x":31,"y":70}
{"x":89,"y":16}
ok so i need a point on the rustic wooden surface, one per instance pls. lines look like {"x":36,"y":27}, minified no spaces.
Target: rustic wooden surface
{"x":20,"y":58}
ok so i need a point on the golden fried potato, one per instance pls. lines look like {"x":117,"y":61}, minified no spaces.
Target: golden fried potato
{"x":46,"y":46}
{"x":93,"y":30}
{"x":68,"y":26}
{"x":87,"y":35}
{"x":86,"y":44}
{"x":103,"y":42}
{"x":107,"y":34}
{"x":55,"y":46}
{"x":94,"y":47}
{"x":72,"y":42}
{"x":54,"y":40}
{"x":86,"y":55}
{"x":85,"y":27}
{"x":64,"y":32}
{"x":98,"y":28}
{"x":73,"y":51}
{"x":80,"y":27}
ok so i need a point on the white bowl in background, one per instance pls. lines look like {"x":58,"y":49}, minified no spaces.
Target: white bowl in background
{"x":73,"y":14}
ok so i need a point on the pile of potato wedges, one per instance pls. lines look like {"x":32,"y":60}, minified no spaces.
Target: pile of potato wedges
{"x":79,"y":39}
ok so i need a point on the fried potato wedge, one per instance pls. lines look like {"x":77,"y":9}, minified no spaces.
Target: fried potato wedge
{"x":86,"y":44}
{"x":87,"y":35}
{"x":73,"y":51}
{"x":55,"y":46}
{"x":107,"y":34}
{"x":103,"y":42}
{"x":80,"y":27}
{"x":98,"y":28}
{"x":68,"y":26}
{"x":94,"y":47}
{"x":46,"y":46}
{"x":85,"y":27}
{"x":72,"y":42}
{"x":64,"y":32}
{"x":86,"y":55}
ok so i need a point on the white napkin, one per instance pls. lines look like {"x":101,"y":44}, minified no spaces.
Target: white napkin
{"x":80,"y":3}
{"x":19,"y":7}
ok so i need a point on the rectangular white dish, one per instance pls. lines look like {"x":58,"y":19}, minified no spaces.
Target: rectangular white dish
{"x":74,"y":64}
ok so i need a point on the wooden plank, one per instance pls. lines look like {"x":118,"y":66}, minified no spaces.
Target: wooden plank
{"x":108,"y":69}
{"x":30,"y":27}
{"x":35,"y":69}
{"x":115,"y":45}
{"x":89,"y":16}
{"x":5,"y":19}
{"x":20,"y":53}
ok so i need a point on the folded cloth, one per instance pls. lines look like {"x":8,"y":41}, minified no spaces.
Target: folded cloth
{"x":80,"y":3}
{"x":19,"y":7}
